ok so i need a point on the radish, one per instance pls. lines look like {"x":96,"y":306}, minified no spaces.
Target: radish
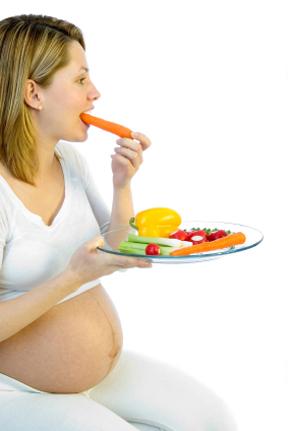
{"x":197,"y":236}
{"x":216,"y":235}
{"x":152,"y":249}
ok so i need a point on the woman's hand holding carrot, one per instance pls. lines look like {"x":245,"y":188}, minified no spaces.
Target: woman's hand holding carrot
{"x":128,"y":157}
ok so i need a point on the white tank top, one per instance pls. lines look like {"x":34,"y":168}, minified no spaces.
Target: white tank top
{"x":32,"y":252}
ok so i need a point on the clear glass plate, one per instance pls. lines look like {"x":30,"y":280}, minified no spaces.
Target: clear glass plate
{"x":253,"y":238}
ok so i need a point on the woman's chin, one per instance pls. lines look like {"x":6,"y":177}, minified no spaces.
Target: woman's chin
{"x":80,"y":137}
{"x":84,"y":133}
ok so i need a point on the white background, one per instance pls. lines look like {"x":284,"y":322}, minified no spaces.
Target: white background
{"x":207,"y":82}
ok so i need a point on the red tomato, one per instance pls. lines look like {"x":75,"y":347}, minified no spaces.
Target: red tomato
{"x":179,"y":234}
{"x":152,"y":249}
{"x":216,"y":235}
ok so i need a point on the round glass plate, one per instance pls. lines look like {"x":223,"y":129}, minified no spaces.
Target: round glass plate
{"x":253,"y":238}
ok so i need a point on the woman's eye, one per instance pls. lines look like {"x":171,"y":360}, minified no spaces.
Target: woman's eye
{"x":82,"y":81}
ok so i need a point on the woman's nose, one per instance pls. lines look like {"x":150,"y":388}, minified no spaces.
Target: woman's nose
{"x":94,"y":94}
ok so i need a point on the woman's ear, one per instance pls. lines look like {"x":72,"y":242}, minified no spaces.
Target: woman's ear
{"x":32,"y":95}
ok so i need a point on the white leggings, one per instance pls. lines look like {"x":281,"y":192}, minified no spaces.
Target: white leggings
{"x":138,"y":394}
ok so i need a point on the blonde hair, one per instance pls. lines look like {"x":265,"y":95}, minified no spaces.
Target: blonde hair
{"x":31,"y":47}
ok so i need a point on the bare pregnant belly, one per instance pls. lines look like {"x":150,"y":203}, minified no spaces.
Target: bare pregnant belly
{"x":69,"y":349}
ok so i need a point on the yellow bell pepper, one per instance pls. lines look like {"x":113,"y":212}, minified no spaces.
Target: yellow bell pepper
{"x":156,"y":222}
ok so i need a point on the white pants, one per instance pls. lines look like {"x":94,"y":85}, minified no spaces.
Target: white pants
{"x":138,"y":394}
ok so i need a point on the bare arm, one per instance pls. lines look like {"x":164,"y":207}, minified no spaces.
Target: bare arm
{"x":125,"y":163}
{"x":122,"y":211}
{"x":17,"y":313}
{"x":86,"y":264}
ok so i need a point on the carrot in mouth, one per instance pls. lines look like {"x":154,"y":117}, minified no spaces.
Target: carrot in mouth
{"x":226,"y":241}
{"x":115,"y":128}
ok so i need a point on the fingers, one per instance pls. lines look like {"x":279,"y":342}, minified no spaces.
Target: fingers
{"x":142,"y":144}
{"x":134,"y":156}
{"x":144,"y":140}
{"x":124,"y":261}
{"x":131,"y":149}
{"x":129,"y":143}
{"x":130,"y":262}
{"x":127,"y":152}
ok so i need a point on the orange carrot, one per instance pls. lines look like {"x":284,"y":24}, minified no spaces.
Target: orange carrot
{"x":226,"y":241}
{"x":117,"y":129}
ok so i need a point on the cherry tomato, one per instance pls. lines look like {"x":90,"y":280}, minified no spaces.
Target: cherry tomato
{"x":152,"y":249}
{"x":216,"y":235}
{"x":179,"y":234}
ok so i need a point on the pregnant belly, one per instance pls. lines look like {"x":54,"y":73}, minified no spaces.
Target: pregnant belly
{"x":69,"y":349}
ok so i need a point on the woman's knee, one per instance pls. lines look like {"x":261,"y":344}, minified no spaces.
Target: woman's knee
{"x":150,"y":388}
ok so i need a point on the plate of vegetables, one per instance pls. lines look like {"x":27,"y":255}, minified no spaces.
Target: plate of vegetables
{"x":160,"y":235}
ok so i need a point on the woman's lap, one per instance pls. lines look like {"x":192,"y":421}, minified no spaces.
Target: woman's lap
{"x":68,"y":412}
{"x":138,"y":391}
{"x":142,"y":388}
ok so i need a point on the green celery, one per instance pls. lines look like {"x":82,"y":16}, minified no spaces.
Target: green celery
{"x":139,"y":248}
{"x":170,"y":242}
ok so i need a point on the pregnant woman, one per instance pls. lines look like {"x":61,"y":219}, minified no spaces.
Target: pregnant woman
{"x":61,"y":360}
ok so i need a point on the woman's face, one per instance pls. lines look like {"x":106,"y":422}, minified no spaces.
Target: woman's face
{"x":70,"y":94}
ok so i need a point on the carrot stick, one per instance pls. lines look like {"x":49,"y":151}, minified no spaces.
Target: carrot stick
{"x":226,"y":241}
{"x":117,"y":129}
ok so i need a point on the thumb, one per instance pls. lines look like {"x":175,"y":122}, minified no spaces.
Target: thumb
{"x":94,"y":243}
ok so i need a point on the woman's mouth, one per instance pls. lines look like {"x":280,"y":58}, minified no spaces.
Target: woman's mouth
{"x":83,"y":122}
{"x":88,"y":111}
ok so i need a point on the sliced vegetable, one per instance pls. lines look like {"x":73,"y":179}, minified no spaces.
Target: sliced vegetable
{"x":225,"y":242}
{"x":139,"y":248}
{"x":198,"y":239}
{"x":161,"y":241}
{"x":109,"y":126}
{"x":197,"y":236}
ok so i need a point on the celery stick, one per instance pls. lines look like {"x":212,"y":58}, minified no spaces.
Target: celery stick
{"x":129,"y":247}
{"x":171,"y":242}
{"x":139,"y":248}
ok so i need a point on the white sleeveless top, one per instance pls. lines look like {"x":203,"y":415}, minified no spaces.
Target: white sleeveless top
{"x":32,"y":252}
